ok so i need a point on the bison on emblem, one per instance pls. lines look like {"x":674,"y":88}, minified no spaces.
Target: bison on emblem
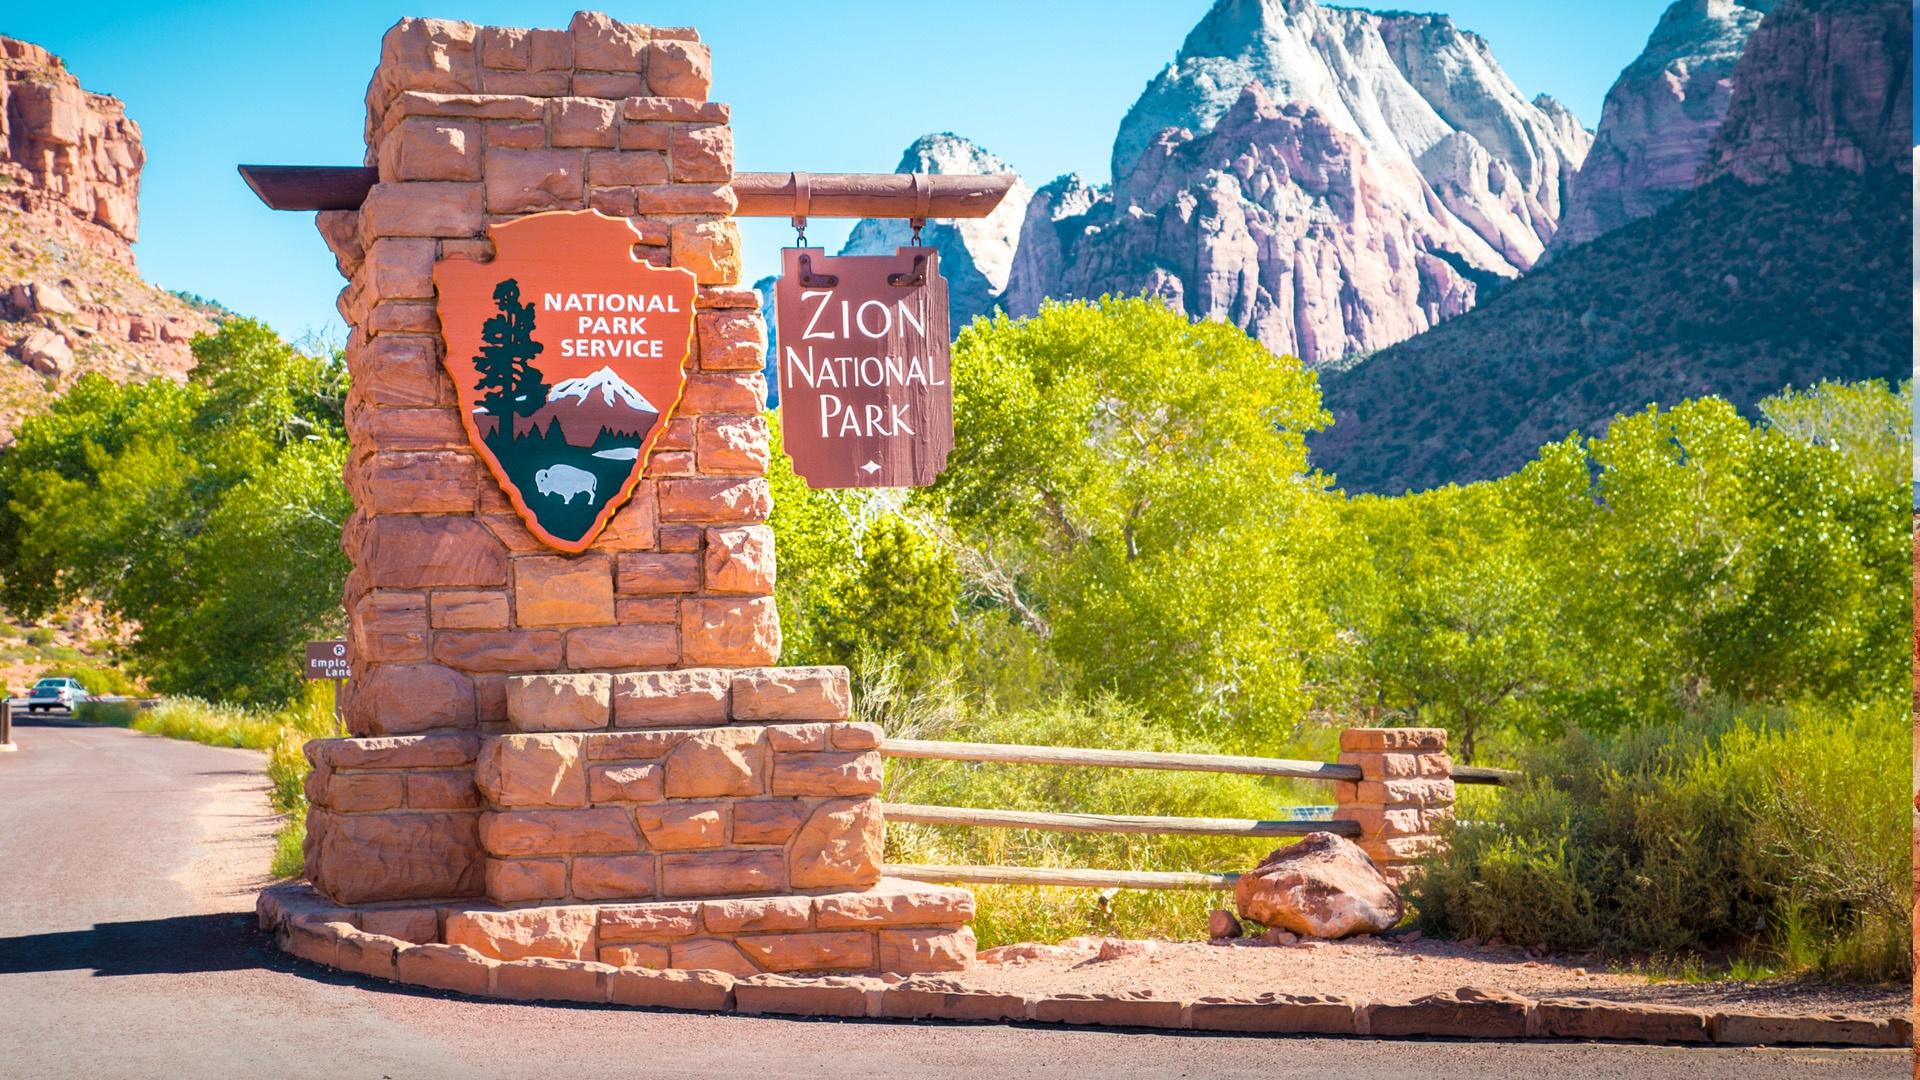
{"x":566,"y":482}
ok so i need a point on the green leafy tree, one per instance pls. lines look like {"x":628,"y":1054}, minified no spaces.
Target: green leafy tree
{"x":205,"y":516}
{"x":860,"y":581}
{"x":1141,"y":483}
{"x":1448,"y":624}
{"x":902,"y":600}
{"x":1686,"y":555}
{"x":509,"y":383}
{"x":1689,"y":552}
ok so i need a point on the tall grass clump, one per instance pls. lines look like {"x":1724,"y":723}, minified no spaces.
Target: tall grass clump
{"x":1008,"y":914}
{"x":1771,"y":838}
{"x":200,"y":721}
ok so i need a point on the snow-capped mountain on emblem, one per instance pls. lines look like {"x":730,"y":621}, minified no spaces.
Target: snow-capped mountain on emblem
{"x":587,"y":406}
{"x":612,"y":389}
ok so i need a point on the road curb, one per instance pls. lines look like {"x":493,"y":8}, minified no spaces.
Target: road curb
{"x":304,"y":925}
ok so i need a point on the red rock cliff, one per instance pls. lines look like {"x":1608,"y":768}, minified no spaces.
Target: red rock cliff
{"x":1660,"y":117}
{"x":1823,"y":83}
{"x":70,"y":155}
{"x":1330,"y":180}
{"x":71,"y":299}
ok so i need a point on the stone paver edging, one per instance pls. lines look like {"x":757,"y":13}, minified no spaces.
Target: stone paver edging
{"x":306,"y":929}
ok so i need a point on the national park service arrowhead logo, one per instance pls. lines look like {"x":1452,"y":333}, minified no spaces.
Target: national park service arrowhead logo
{"x":566,"y":353}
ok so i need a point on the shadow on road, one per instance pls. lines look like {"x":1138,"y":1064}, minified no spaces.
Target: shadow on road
{"x":182,"y":944}
{"x":22,"y":719}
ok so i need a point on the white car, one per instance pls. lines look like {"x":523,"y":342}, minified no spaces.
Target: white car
{"x":56,"y":693}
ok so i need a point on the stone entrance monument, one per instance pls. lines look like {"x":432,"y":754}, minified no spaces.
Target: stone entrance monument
{"x":564,"y":761}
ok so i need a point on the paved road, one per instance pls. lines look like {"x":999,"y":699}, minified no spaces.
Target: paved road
{"x":126,"y":949}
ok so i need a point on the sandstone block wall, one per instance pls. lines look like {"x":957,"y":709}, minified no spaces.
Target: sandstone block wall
{"x":394,"y":818}
{"x":543,"y":735}
{"x":901,"y":927}
{"x":896,"y":927}
{"x":1404,"y":797}
{"x":450,"y":595}
{"x":676,"y":812}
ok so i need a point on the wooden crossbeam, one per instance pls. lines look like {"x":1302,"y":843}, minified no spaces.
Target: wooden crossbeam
{"x":934,"y":750}
{"x":1116,"y":759}
{"x":760,"y":194}
{"x":869,"y":195}
{"x":1479,"y":774}
{"x":917,"y":814}
{"x":1093,"y":879}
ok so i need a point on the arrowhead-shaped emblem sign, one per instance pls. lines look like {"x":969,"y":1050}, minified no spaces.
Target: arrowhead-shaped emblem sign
{"x":567,"y":355}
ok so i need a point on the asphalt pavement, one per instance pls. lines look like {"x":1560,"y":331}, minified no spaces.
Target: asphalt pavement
{"x":128,"y":949}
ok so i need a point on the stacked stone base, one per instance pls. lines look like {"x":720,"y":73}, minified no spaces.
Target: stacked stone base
{"x":712,"y":820}
{"x":895,"y":927}
{"x":361,"y":941}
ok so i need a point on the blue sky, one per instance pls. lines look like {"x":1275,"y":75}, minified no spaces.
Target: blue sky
{"x":824,"y":87}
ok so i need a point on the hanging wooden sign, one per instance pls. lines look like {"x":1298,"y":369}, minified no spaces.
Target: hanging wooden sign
{"x":567,"y":356}
{"x":866,"y":398}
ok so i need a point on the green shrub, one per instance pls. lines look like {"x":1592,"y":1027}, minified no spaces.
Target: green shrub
{"x":39,"y":637}
{"x":1776,"y":835}
{"x":101,"y":679}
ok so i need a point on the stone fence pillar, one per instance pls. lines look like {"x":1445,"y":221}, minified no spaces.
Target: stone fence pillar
{"x":1403,"y":798}
{"x":538,"y":728}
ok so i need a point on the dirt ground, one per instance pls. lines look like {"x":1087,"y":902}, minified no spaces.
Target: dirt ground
{"x":1381,"y":970}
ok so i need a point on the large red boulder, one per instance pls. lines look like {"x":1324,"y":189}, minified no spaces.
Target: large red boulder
{"x":1323,"y":886}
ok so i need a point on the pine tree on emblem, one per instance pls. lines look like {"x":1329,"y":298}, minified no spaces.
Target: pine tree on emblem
{"x":509,"y":383}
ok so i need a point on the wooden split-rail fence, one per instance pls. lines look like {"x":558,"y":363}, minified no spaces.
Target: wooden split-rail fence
{"x":1000,"y":753}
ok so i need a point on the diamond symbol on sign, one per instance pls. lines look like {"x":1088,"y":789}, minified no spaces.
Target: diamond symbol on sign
{"x":870,"y":468}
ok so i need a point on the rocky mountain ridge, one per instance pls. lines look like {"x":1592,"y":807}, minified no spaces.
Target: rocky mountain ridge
{"x":1330,"y":180}
{"x":1277,"y":221}
{"x":976,"y":254}
{"x":1771,"y":272}
{"x":71,"y":297}
{"x":1822,"y":84}
{"x":1660,"y":117}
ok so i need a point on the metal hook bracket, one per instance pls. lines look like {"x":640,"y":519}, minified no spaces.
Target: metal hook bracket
{"x":802,"y":202}
{"x":922,"y":202}
{"x":912,"y":279}
{"x":811,"y":280}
